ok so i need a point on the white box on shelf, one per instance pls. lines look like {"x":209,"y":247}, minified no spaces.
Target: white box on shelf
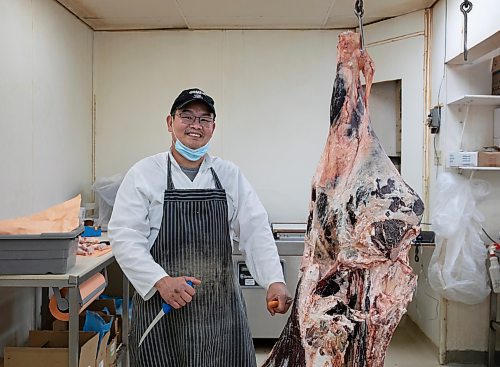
{"x":496,"y":124}
{"x":462,"y":159}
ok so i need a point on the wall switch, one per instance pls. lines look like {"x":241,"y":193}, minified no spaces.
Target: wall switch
{"x":434,"y":119}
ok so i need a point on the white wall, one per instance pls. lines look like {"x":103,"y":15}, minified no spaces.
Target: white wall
{"x":483,"y":21}
{"x":385,"y":111}
{"x":45,"y":124}
{"x":272,"y":91}
{"x":466,"y":326}
{"x":397,"y":48}
{"x":46,"y":114}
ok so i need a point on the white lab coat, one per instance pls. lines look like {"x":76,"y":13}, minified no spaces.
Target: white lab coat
{"x":138,"y":212}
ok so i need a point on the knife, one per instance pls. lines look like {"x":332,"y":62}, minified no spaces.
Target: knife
{"x":165,"y":308}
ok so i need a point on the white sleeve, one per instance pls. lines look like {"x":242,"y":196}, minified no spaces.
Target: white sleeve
{"x":251,"y":225}
{"x":129,"y":229}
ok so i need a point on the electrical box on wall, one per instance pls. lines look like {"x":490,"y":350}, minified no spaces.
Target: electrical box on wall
{"x":434,"y":119}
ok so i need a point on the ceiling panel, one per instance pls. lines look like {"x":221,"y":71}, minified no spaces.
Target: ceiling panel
{"x":395,"y":7}
{"x":256,"y":8}
{"x":343,"y":14}
{"x":349,"y":21}
{"x":383,"y":9}
{"x":127,"y":14}
{"x":249,"y":22}
{"x":244,"y":14}
{"x":126,"y":23}
{"x":122,"y":8}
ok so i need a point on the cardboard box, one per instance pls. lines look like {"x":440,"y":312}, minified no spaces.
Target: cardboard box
{"x":111,"y":352}
{"x":496,"y":124}
{"x":106,"y":354}
{"x":489,"y":159}
{"x":49,"y":348}
{"x":102,"y":351}
{"x":495,"y":83}
{"x":495,"y":66}
{"x":100,"y":305}
{"x":59,"y":325}
{"x":108,"y":344}
{"x":463,"y":159}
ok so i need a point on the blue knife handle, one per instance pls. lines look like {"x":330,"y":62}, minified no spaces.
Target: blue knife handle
{"x":166,"y":307}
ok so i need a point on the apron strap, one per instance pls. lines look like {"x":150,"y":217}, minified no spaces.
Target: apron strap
{"x":218,"y":185}
{"x":170,"y":183}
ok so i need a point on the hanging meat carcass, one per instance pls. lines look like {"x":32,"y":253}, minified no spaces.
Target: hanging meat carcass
{"x":355,"y":280}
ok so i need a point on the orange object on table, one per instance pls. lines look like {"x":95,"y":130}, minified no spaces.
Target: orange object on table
{"x":60,"y":218}
{"x":89,"y":291}
{"x":273,"y":304}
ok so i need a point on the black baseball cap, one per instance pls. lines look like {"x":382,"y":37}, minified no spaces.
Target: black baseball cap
{"x":191,"y":95}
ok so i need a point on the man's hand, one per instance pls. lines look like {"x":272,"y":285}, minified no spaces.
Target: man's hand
{"x":175,"y":291}
{"x":278,"y":292}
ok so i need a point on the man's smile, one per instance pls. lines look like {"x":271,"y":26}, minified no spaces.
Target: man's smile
{"x":194,"y":134}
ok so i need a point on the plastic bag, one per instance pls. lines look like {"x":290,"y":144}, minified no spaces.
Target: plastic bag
{"x":106,"y":189}
{"x":457,"y":269}
{"x":94,"y":322}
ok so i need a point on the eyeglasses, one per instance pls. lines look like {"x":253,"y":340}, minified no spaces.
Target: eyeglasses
{"x":190,"y":119}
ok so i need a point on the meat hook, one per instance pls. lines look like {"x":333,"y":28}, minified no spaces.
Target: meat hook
{"x":465,"y":8}
{"x":359,"y":11}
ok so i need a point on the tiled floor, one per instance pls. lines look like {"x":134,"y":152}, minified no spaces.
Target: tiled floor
{"x":408,"y":348}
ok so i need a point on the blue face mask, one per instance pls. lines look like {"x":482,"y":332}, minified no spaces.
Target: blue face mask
{"x":191,"y":154}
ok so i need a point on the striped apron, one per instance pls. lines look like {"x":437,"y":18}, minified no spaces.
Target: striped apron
{"x":212,"y":330}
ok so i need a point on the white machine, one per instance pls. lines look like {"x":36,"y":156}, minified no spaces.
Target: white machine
{"x":289,"y":239}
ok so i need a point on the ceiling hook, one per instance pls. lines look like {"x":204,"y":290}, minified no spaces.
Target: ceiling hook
{"x":359,"y":11}
{"x":465,"y":8}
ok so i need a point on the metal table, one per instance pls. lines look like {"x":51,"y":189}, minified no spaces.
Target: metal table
{"x":84,"y":268}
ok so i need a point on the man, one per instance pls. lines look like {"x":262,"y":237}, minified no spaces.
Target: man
{"x":173,"y":221}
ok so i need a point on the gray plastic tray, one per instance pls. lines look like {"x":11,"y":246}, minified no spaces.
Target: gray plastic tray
{"x":38,"y":254}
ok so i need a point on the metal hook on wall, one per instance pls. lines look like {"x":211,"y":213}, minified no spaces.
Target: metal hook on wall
{"x":359,"y":11}
{"x":465,"y":8}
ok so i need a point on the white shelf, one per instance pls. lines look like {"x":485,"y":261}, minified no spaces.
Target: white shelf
{"x":478,"y":52}
{"x":481,"y":168}
{"x":479,"y":100}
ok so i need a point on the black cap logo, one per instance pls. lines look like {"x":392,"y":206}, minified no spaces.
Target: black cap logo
{"x":190,"y":95}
